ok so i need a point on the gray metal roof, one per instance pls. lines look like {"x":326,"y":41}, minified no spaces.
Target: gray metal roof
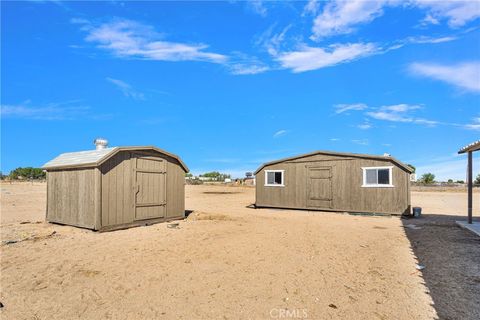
{"x":94,"y":158}
{"x":79,"y":158}
{"x":474,"y":146}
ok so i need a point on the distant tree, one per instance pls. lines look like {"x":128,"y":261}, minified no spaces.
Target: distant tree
{"x":27,"y":173}
{"x":428,"y":178}
{"x":413,"y":167}
{"x":215,"y":175}
{"x":188,"y":175}
{"x":450,"y":181}
{"x":477,"y":180}
{"x":249,"y":174}
{"x":460,"y":181}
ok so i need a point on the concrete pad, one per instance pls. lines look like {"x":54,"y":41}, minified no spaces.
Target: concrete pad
{"x":474,"y":227}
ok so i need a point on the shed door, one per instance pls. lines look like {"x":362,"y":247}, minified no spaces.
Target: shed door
{"x":150,"y":187}
{"x":319,"y":187}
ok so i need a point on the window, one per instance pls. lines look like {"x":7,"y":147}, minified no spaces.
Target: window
{"x":377,"y":177}
{"x":274,"y":178}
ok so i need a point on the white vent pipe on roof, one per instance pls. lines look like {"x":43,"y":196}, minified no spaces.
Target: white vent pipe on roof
{"x":100,"y":143}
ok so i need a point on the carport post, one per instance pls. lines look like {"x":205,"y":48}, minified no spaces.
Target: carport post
{"x":470,"y":186}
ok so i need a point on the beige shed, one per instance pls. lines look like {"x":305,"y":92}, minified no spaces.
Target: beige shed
{"x":114,"y":188}
{"x":335,"y":181}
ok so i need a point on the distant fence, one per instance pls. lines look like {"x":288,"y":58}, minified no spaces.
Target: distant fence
{"x":443,"y":188}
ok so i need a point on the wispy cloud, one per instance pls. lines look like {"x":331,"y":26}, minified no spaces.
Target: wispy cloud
{"x":242,"y":64}
{"x":474,"y":125}
{"x":334,"y":139}
{"x":280,"y":133}
{"x":312,"y":7}
{"x":464,"y":75}
{"x":258,"y":7}
{"x":365,"y":126}
{"x":307,"y":58}
{"x":399,"y":113}
{"x":130,"y":39}
{"x":51,"y":111}
{"x":402,"y":113}
{"x":362,"y":142}
{"x":456,"y":13}
{"x":341,"y":108}
{"x":126,"y":89}
{"x":425,"y":39}
{"x":342,"y":17}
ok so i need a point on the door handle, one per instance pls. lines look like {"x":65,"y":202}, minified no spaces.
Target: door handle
{"x":137,"y":189}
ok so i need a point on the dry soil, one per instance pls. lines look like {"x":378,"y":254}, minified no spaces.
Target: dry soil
{"x":229,"y":261}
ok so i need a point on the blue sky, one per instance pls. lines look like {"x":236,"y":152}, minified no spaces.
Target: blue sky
{"x":229,"y":85}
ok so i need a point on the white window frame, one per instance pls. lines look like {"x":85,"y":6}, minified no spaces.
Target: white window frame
{"x":274,"y":185}
{"x":390,"y":178}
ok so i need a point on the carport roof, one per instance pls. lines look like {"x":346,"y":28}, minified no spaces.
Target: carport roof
{"x":474,"y":146}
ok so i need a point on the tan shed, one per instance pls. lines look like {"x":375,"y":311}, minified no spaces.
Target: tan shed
{"x":335,"y":181}
{"x":113,"y":188}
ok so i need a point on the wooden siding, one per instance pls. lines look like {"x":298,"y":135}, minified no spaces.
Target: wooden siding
{"x":347,"y":193}
{"x":71,"y":197}
{"x":120,"y":198}
{"x":175,"y":191}
{"x":106,"y":197}
{"x":117,"y":190}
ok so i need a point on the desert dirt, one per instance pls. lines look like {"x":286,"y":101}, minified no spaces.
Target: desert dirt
{"x":229,"y":261}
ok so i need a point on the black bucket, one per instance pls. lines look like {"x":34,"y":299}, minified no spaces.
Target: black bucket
{"x":417,"y":212}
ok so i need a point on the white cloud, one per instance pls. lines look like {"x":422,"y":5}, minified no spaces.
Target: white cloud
{"x":475,"y":125}
{"x":362,"y":142}
{"x":51,"y":111}
{"x":245,"y":69}
{"x":271,"y":41}
{"x":364,"y":126}
{"x":334,"y":139}
{"x":403,"y":113}
{"x":126,"y":89}
{"x":425,"y":39}
{"x":341,"y":108}
{"x":130,"y":39}
{"x":242,"y":64}
{"x":311,"y":7}
{"x":280,"y":133}
{"x":457,"y":13}
{"x":400,"y":107}
{"x":399,"y":113}
{"x":464,"y":75}
{"x":339,"y":17}
{"x":311,"y":58}
{"x":258,"y":7}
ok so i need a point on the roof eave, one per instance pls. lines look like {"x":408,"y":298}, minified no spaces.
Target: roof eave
{"x":394,"y":160}
{"x":113,"y":152}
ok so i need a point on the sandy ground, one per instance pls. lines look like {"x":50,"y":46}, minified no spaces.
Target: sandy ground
{"x":227,"y":261}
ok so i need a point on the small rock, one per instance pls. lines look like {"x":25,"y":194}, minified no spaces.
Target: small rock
{"x":331,"y":305}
